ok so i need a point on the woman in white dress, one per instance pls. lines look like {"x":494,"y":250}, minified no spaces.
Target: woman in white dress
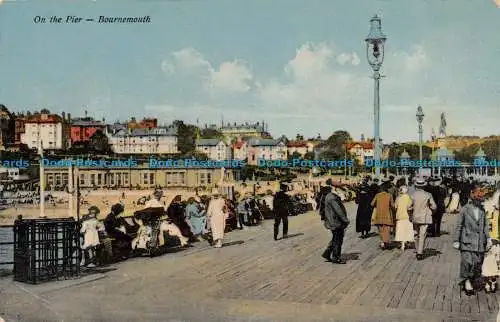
{"x":404,"y":227}
{"x":217,"y":215}
{"x":454,"y":203}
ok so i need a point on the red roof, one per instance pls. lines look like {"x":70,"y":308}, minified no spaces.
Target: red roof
{"x":44,"y":118}
{"x":297,"y":144}
{"x":238,"y":144}
{"x":363,"y":144}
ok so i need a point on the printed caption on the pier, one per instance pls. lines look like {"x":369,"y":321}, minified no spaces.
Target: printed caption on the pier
{"x":100,"y":20}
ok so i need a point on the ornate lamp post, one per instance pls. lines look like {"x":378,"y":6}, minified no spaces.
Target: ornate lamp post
{"x":375,"y":55}
{"x":420,"y":119}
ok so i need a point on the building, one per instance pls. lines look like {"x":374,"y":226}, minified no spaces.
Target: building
{"x":45,"y":129}
{"x":137,"y":177}
{"x":19,"y":127}
{"x":215,"y":149}
{"x":144,"y":141}
{"x":234,"y":130}
{"x":146,"y":123}
{"x":116,"y":127}
{"x":362,"y":150}
{"x":83,"y":128}
{"x":240,"y":149}
{"x":7,"y":127}
{"x":266,"y":149}
{"x":299,"y":147}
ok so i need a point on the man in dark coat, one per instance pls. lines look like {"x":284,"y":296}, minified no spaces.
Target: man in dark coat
{"x":438,"y":193}
{"x":364,"y":213}
{"x":465,"y":190}
{"x":282,"y":207}
{"x":336,"y":221}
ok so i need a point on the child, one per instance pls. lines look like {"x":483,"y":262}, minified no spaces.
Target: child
{"x":490,"y":268}
{"x":90,"y":230}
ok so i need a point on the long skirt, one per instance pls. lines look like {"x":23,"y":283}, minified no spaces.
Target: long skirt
{"x":455,"y":201}
{"x":470,"y":265}
{"x":491,"y":262}
{"x":404,"y":231}
{"x":218,"y":224}
{"x":198,"y":225}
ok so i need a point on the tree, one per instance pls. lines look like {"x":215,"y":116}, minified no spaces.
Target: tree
{"x":210,"y":133}
{"x":44,"y":111}
{"x":295,"y":155}
{"x":186,"y":135}
{"x":309,"y":155}
{"x":299,"y":137}
{"x":335,"y":145}
{"x":99,"y":143}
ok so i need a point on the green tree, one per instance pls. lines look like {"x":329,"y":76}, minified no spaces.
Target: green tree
{"x":309,"y":155}
{"x":186,"y":136}
{"x":335,"y":145}
{"x":99,"y":143}
{"x":210,"y":133}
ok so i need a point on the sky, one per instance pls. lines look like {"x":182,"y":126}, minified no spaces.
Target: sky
{"x":298,"y":65}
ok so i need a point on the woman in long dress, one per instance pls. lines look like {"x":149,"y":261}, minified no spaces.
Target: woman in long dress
{"x":454,"y":203}
{"x":384,"y":219}
{"x":365,"y":210}
{"x":217,"y":215}
{"x":196,"y":217}
{"x":404,"y":227}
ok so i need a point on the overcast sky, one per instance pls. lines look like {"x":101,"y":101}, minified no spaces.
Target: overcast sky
{"x":299,"y":65}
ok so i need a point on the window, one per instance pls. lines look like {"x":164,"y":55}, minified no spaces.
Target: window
{"x":99,"y":179}
{"x":118,"y":179}
{"x":111,"y":179}
{"x":92,"y":179}
{"x":125,"y":179}
{"x":209,"y":178}
{"x":58,"y":180}
{"x":50,"y":179}
{"x":202,"y":178}
{"x":149,"y":178}
{"x":82,"y":179}
{"x":175,"y":178}
{"x":65,"y":179}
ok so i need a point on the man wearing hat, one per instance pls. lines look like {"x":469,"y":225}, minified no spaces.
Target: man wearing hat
{"x":471,"y":237}
{"x":423,"y":207}
{"x":282,"y":207}
{"x":438,"y":192}
{"x":336,"y":221}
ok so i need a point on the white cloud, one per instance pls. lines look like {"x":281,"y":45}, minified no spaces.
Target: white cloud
{"x":233,"y":76}
{"x":315,"y":93}
{"x":230,"y":76}
{"x":348,"y":58}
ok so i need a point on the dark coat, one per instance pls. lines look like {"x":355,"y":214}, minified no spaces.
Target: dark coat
{"x":335,"y":213}
{"x":282,"y":205}
{"x":472,"y":234}
{"x":176,"y":213}
{"x":439,"y":195}
{"x":364,"y":213}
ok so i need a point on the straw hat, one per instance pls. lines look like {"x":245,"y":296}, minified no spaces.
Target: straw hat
{"x":420,"y":182}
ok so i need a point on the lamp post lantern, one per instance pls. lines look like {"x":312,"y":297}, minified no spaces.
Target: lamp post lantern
{"x":420,"y":119}
{"x":375,"y":55}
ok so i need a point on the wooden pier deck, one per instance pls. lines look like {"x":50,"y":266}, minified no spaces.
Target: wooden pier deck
{"x":255,"y":278}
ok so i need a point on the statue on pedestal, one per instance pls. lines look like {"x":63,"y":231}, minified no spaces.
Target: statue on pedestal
{"x":442,"y":127}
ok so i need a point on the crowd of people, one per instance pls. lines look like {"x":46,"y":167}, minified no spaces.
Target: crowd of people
{"x":205,"y":217}
{"x":406,"y":211}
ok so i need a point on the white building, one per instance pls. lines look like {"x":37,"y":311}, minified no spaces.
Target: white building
{"x":266,"y":149}
{"x":240,"y":150}
{"x":44,"y":128}
{"x":162,"y":140}
{"x":362,"y":151}
{"x":215,"y":149}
